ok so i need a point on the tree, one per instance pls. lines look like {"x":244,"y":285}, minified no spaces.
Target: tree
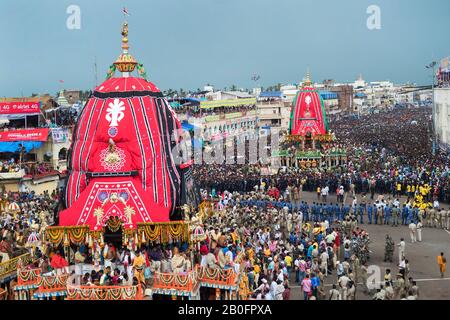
{"x":233,"y":87}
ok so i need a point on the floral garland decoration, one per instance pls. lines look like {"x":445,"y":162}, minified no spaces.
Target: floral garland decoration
{"x":53,"y":282}
{"x":179,"y":281}
{"x":54,"y":235}
{"x":114,"y":224}
{"x":27,"y":276}
{"x":208,"y":274}
{"x":152,"y":232}
{"x":77,"y":235}
{"x":102,"y":293}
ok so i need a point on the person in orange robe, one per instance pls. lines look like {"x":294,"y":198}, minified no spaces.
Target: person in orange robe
{"x":442,"y":263}
{"x":138,"y":266}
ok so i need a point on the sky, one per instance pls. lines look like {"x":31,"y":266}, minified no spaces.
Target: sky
{"x":189,"y":43}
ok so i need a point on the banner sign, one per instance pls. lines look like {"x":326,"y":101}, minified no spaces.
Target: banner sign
{"x":212,"y":118}
{"x":227,"y":103}
{"x":24,"y":135}
{"x":233,"y":115}
{"x":60,"y":135}
{"x":19,"y":107}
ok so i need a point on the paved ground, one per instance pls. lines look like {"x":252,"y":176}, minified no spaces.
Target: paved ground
{"x":422,"y":258}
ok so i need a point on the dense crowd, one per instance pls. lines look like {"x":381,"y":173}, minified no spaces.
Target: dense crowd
{"x":196,"y":111}
{"x":388,"y":152}
{"x":61,"y":117}
{"x":23,"y":224}
{"x":264,"y":230}
{"x":33,"y":168}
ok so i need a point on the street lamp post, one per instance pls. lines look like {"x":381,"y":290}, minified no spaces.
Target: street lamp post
{"x":432,"y":66}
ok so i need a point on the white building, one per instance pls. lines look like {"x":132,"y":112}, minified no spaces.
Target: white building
{"x":228,"y":95}
{"x":380,"y":93}
{"x":62,"y":101}
{"x":208,"y":88}
{"x":359,"y":84}
{"x":272,"y":110}
{"x":442,"y":115}
{"x":289,"y":91}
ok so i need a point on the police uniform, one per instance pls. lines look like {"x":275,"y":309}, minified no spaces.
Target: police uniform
{"x":389,"y":249}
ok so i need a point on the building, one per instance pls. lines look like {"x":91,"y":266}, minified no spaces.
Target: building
{"x":345,"y":96}
{"x":289,"y":91}
{"x":360,"y":105}
{"x":32,"y":158}
{"x":272,"y":110}
{"x":50,"y":153}
{"x":359,"y":84}
{"x":380,"y":94}
{"x":442,"y":116}
{"x":72,"y":96}
{"x":220,"y":118}
{"x":330,"y":101}
{"x":62,"y":101}
{"x":227,"y":95}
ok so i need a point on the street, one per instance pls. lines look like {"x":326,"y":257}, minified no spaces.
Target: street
{"x":422,"y":258}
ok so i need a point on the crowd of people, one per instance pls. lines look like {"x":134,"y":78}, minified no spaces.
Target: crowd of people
{"x":277,"y":245}
{"x":22,"y":227}
{"x":13,"y":165}
{"x":196,"y":111}
{"x":9,"y":166}
{"x":389,"y":152}
{"x":280,"y":241}
{"x":263,"y":228}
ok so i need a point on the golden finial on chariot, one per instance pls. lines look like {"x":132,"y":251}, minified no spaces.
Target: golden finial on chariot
{"x":125,"y":35}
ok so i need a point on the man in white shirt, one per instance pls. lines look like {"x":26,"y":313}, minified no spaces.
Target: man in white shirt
{"x":330,"y":238}
{"x":354,"y":204}
{"x":401,"y":249}
{"x":380,"y":295}
{"x":412,"y":231}
{"x":324,"y":263}
{"x":324,"y":192}
{"x":436,"y":204}
{"x":389,"y":292}
{"x":334,"y":293}
{"x":273,"y":286}
{"x":279,"y":289}
{"x":419,"y":231}
{"x":446,"y":218}
{"x":280,"y":276}
{"x":297,"y":270}
{"x":325,"y":225}
{"x":396,"y":203}
{"x":300,"y":219}
{"x":343,"y":281}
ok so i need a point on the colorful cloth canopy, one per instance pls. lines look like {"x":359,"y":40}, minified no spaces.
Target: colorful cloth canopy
{"x":121,"y":162}
{"x":308,"y":113}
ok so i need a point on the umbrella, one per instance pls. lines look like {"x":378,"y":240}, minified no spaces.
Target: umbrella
{"x":198,"y":234}
{"x":13,"y":207}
